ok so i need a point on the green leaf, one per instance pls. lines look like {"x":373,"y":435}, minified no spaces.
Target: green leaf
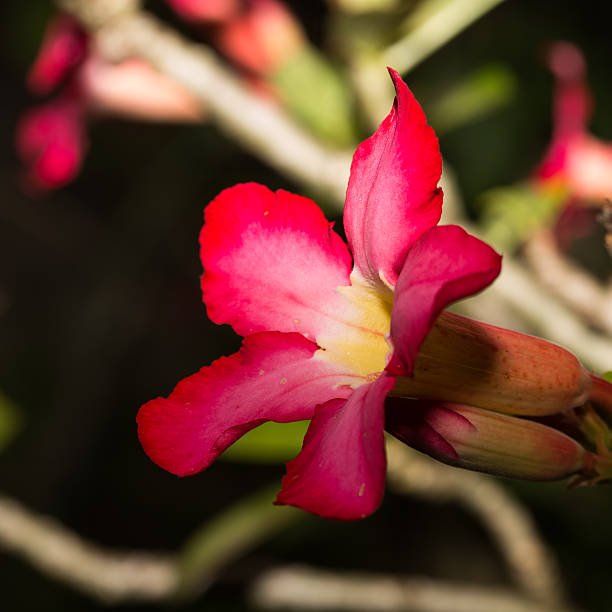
{"x":607,"y":376}
{"x":512,"y":214}
{"x":269,"y":443}
{"x":317,"y":95}
{"x":230,"y":535}
{"x":480,"y":92}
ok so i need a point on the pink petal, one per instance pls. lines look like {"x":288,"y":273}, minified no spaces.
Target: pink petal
{"x":392,"y":196}
{"x":134,"y":89}
{"x":572,"y":99}
{"x":271,"y":262}
{"x":202,"y":11}
{"x":51,"y":141}
{"x":340,"y":472}
{"x":445,"y":265}
{"x":63,"y":47}
{"x":274,"y":377}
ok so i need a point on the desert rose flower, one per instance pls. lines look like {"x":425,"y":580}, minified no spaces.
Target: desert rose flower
{"x":334,"y":333}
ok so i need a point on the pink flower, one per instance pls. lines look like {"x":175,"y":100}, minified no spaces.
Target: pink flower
{"x":322,"y":341}
{"x":51,"y":141}
{"x":575,"y":161}
{"x":51,"y":138}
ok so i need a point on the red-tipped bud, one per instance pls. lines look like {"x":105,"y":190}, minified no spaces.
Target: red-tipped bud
{"x":263,"y":38}
{"x":473,"y":363}
{"x":486,"y":441}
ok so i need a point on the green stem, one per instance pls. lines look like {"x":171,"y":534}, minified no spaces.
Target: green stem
{"x":444,"y":22}
{"x":601,"y":393}
{"x":240,"y":528}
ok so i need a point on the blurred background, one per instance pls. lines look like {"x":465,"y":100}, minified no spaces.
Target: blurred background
{"x":100,"y":307}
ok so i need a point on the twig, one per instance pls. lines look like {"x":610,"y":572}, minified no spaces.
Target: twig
{"x":569,"y":282}
{"x":429,"y":26}
{"x":530,"y":561}
{"x":518,"y":288}
{"x":303,"y":588}
{"x":440,"y":26}
{"x":130,"y":576}
{"x":257,"y":123}
{"x":239,"y":528}
{"x":60,"y":553}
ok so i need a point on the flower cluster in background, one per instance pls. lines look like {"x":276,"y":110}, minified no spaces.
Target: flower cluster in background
{"x":52,"y":138}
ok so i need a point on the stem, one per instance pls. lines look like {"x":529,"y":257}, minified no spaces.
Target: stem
{"x":601,"y":393}
{"x":443,"y":24}
{"x":238,"y":529}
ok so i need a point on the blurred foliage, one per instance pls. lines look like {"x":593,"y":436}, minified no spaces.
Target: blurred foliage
{"x":510,"y":215}
{"x":10,"y":421}
{"x":313,"y":90}
{"x":477,"y":94}
{"x":243,"y":526}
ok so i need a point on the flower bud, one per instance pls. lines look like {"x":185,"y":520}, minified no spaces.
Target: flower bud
{"x":486,"y":441}
{"x":262,"y":38}
{"x":473,"y":363}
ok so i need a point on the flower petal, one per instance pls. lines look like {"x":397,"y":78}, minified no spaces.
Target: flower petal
{"x":445,"y":265}
{"x":64,"y":46}
{"x":271,"y":262}
{"x":340,"y":472}
{"x":51,"y":141}
{"x":392,"y":196}
{"x":274,"y":377}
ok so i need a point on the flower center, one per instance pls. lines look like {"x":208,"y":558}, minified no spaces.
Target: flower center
{"x":358,"y":342}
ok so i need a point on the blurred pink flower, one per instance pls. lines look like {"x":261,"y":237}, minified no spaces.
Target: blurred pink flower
{"x":257,"y":35}
{"x":262,"y":37}
{"x":51,"y":138}
{"x":575,"y":161}
{"x":51,"y":141}
{"x":204,"y":11}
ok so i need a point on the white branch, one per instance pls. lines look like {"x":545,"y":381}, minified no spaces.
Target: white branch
{"x":507,"y":520}
{"x":441,"y":25}
{"x":259,"y":124}
{"x":569,"y":282}
{"x":303,"y":588}
{"x":61,"y":554}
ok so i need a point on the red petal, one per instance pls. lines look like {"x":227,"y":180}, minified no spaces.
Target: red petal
{"x":445,"y":265}
{"x":202,"y":11}
{"x":51,"y":141}
{"x":392,"y":195}
{"x":271,"y":262}
{"x":63,"y":47}
{"x":274,"y":377}
{"x":340,"y":472}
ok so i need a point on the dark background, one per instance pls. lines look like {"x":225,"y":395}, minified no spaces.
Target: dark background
{"x":100,"y":311}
